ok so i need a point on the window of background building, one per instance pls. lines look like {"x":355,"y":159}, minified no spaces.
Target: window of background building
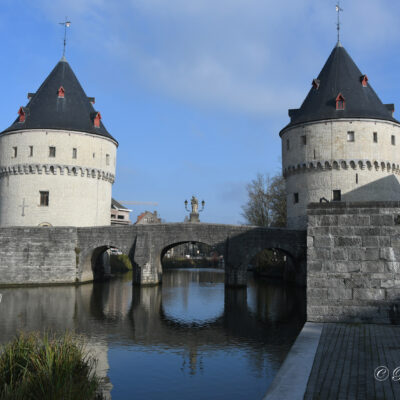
{"x":44,"y":198}
{"x":304,"y":140}
{"x":350,"y":136}
{"x":15,"y":152}
{"x":287,"y":144}
{"x":30,"y":151}
{"x":296,"y":197}
{"x":120,"y":217}
{"x":52,"y":151}
{"x":74,"y":152}
{"x":375,"y":137}
{"x":393,"y":140}
{"x":337,"y":195}
{"x":94,"y":155}
{"x":107,"y":159}
{"x":356,"y":178}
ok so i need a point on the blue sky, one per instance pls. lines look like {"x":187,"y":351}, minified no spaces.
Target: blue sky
{"x":195,"y":91}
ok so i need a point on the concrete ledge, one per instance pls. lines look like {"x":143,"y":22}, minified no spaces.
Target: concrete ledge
{"x":292,"y":378}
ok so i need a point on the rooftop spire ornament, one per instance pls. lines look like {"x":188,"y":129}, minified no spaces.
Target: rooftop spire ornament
{"x":66,"y":24}
{"x":338,"y":10}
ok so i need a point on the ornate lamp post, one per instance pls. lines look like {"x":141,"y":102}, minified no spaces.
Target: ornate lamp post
{"x":194,"y":214}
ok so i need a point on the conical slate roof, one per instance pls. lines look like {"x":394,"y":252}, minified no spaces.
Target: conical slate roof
{"x":340,"y":75}
{"x":48,"y":110}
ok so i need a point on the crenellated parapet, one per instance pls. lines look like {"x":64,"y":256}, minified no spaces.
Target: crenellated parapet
{"x":56,"y":169}
{"x":341,"y":164}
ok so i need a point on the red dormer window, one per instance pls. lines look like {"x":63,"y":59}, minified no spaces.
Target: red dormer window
{"x":61,"y":92}
{"x":22,"y":114}
{"x":364,"y":80}
{"x":96,"y":120}
{"x":340,"y":102}
{"x":315,"y":83}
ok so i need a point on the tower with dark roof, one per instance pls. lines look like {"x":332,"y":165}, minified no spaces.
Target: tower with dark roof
{"x":341,"y":144}
{"x":57,"y":160}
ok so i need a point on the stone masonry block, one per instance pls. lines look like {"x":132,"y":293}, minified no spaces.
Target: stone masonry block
{"x":381,"y":220}
{"x":314,"y":266}
{"x":348,"y":241}
{"x":370,"y":241}
{"x":317,"y":293}
{"x":369,"y":294}
{"x":347,"y":266}
{"x":371,"y":254}
{"x":367,"y":231}
{"x":325,"y":283}
{"x":339,"y":254}
{"x":340,"y":294}
{"x":390,"y":283}
{"x":384,"y":241}
{"x":323,"y":241}
{"x":342,"y":230}
{"x":310,"y":241}
{"x":362,"y":281}
{"x":354,"y":220}
{"x":392,"y":267}
{"x":328,"y":220}
{"x":316,"y":254}
{"x":373,"y":266}
{"x":355,"y":254}
{"x":387,"y":254}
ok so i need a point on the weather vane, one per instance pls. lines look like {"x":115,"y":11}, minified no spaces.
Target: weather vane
{"x":338,"y":9}
{"x":66,"y":24}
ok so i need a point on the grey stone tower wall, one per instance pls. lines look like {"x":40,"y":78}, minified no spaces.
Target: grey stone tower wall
{"x":353,"y":262}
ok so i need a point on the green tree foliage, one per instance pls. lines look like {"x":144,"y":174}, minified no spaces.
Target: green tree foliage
{"x":266,"y":205}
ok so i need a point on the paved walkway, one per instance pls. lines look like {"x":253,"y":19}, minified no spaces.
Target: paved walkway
{"x":344,"y":365}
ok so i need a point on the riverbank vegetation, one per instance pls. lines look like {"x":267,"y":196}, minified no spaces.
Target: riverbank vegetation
{"x":35,"y":367}
{"x":120,"y":263}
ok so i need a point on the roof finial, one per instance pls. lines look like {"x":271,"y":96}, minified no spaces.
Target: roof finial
{"x":66,"y":24}
{"x":338,"y":9}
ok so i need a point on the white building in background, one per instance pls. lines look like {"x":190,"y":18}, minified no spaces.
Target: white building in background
{"x":119,"y":214}
{"x":57,"y":160}
{"x":342,"y":144}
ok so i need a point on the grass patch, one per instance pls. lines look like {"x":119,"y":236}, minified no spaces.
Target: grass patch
{"x":34,"y":367}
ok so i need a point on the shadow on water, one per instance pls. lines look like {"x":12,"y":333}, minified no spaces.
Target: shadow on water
{"x":191,"y":326}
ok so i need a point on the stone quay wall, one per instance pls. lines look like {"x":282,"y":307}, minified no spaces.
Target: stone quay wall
{"x":37,"y":255}
{"x":353,"y":262}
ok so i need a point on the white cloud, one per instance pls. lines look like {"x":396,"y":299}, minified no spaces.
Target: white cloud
{"x":251,"y":56}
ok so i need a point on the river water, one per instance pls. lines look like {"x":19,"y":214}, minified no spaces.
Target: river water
{"x":189,"y":338}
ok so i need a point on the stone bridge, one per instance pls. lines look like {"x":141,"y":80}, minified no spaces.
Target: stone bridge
{"x":37,"y":255}
{"x":147,"y":244}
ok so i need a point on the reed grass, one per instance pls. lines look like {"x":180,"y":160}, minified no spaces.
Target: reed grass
{"x":48,"y":367}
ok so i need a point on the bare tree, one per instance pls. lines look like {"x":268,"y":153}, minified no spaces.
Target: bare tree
{"x":266,"y":205}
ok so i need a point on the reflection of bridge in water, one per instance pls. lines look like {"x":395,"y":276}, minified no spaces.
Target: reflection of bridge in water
{"x":137,"y":315}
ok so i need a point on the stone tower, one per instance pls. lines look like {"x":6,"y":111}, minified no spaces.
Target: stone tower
{"x":342,"y":144}
{"x":57,"y":160}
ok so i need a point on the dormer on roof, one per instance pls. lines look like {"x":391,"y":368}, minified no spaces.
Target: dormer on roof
{"x":96,"y":117}
{"x":364,"y":80}
{"x":315,"y":83}
{"x":61,"y":92}
{"x":23,"y":112}
{"x":340,"y":102}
